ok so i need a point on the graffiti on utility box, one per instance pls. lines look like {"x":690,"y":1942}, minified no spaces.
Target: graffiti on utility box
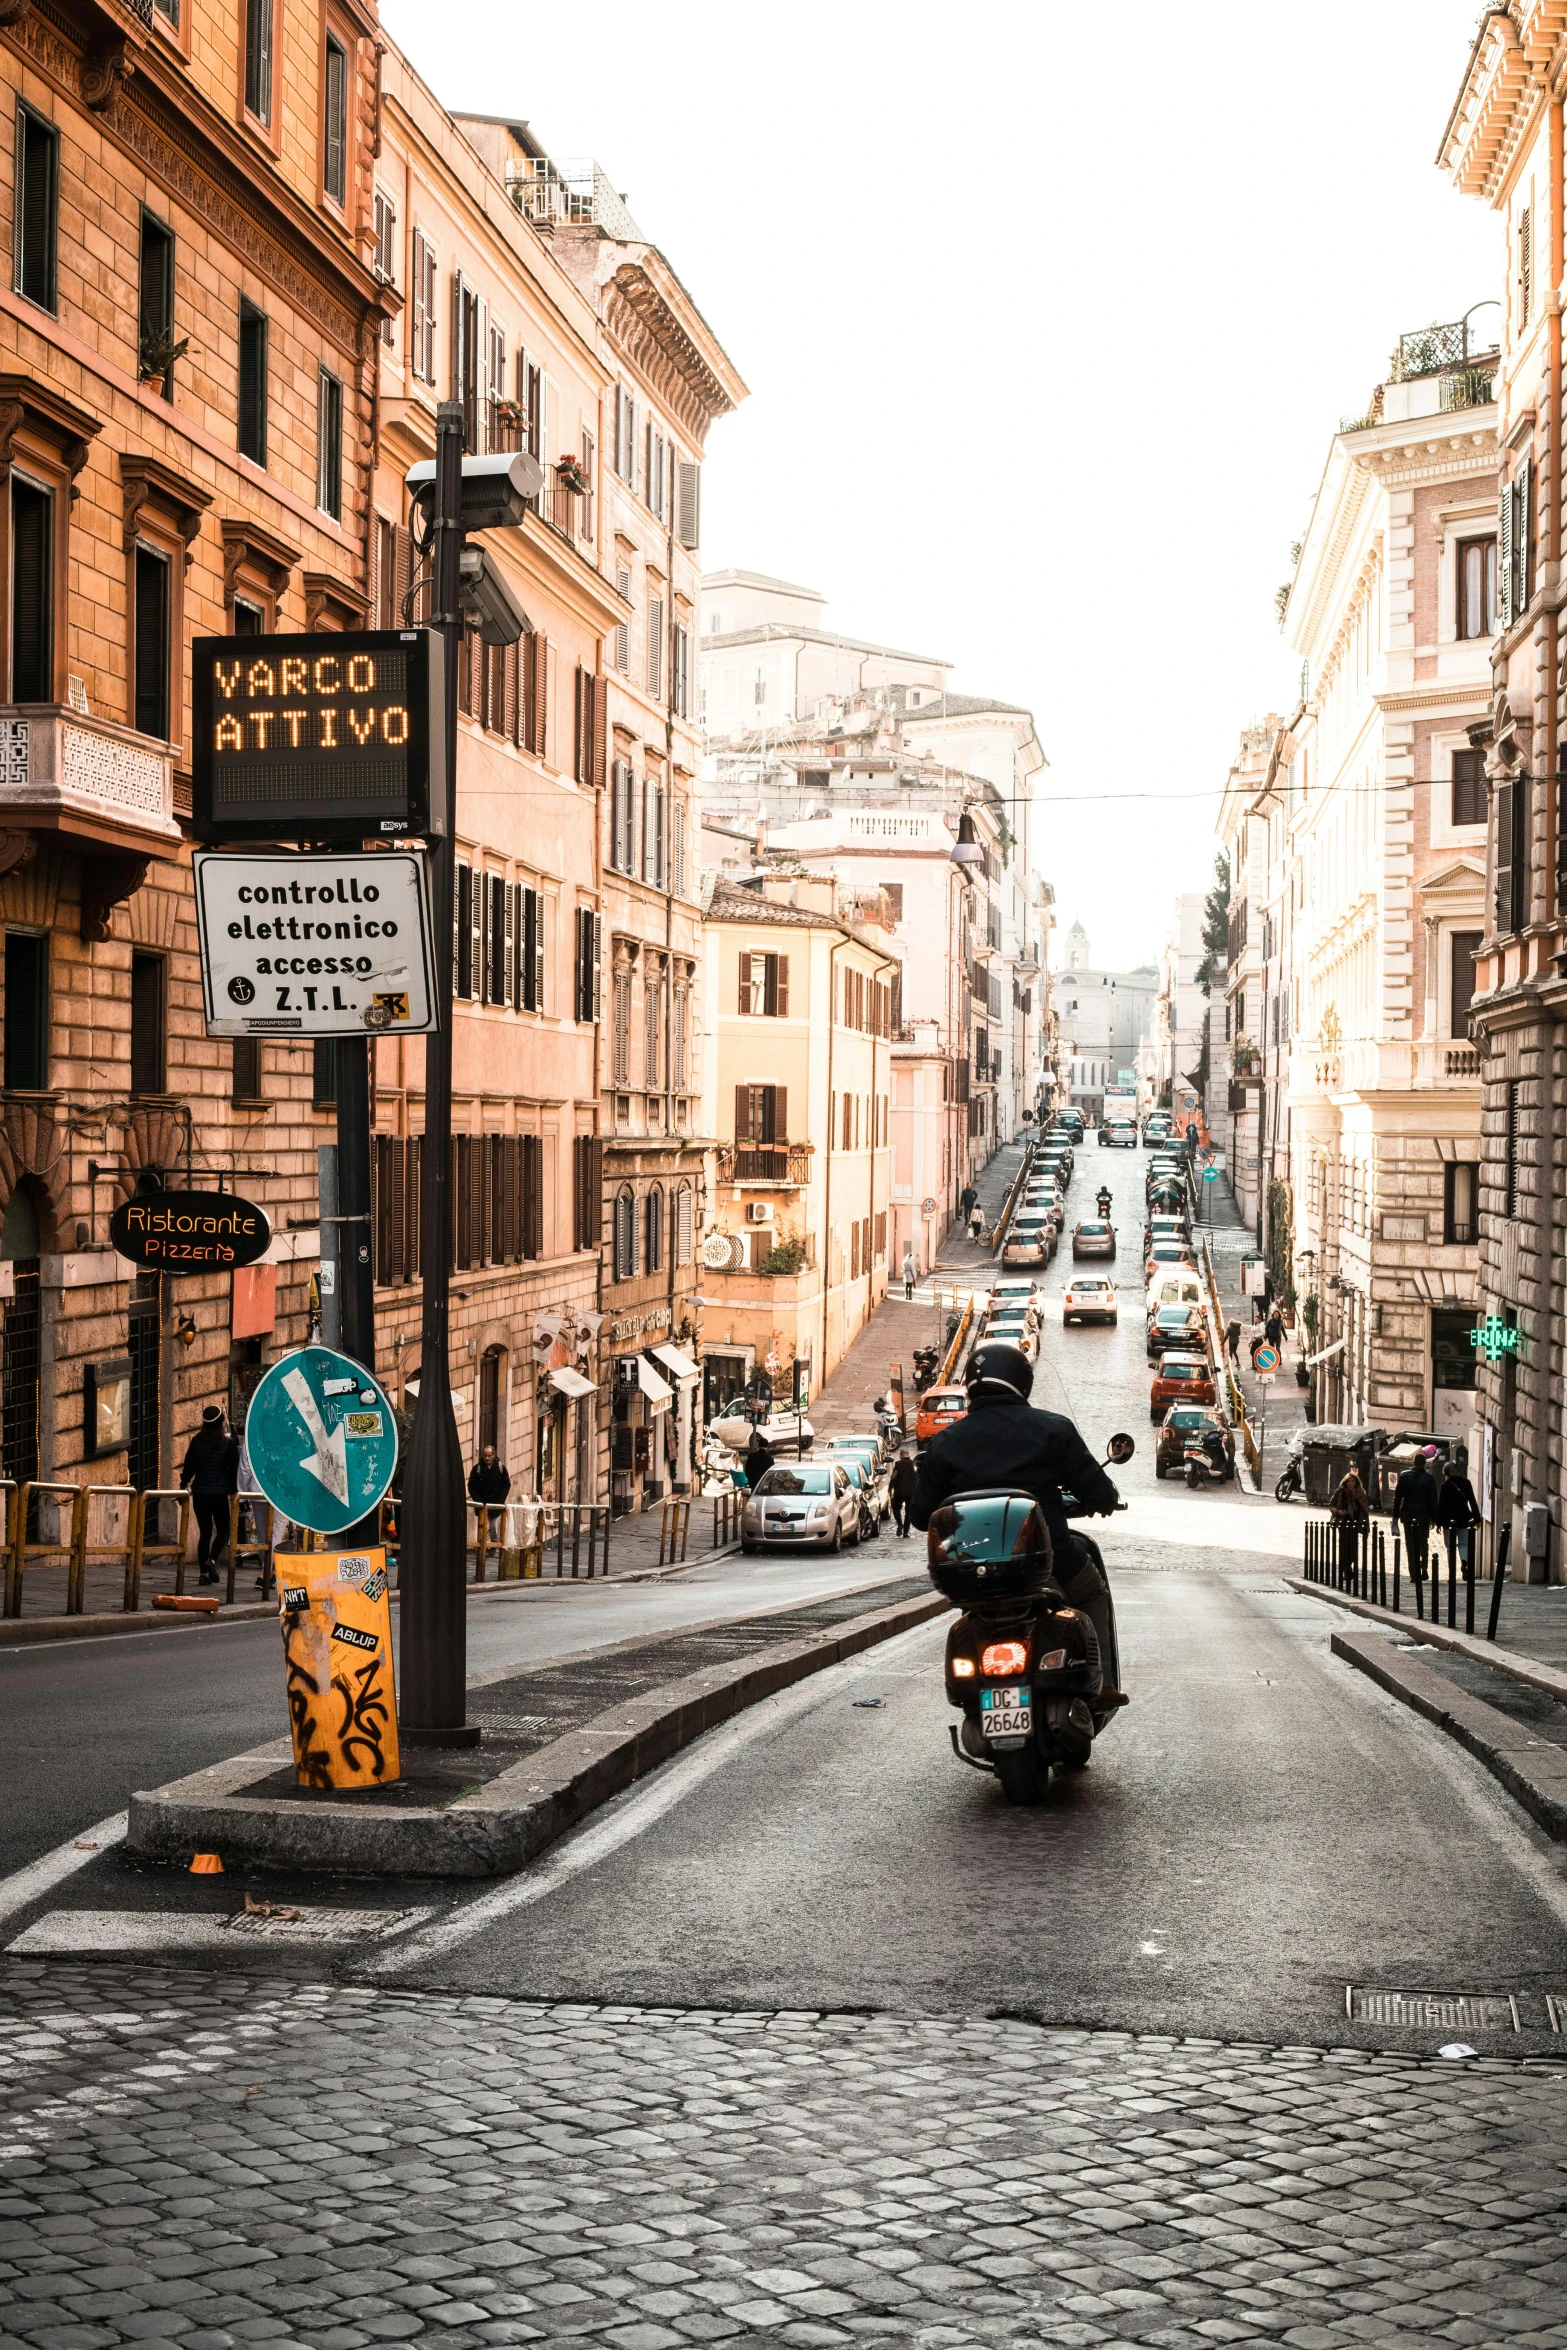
{"x":337,"y":1651}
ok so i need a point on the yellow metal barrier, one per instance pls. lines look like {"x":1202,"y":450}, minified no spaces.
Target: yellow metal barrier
{"x":120,"y":1549}
{"x":1003,"y":1221}
{"x":142,"y":1550}
{"x":37,"y":1488}
{"x":949,"y":1360}
{"x":674,"y":1527}
{"x":259,"y":1549}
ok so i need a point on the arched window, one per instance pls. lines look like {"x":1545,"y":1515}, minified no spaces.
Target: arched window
{"x":653,"y":1255}
{"x":625,"y":1235}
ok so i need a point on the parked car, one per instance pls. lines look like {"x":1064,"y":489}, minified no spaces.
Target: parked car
{"x":779,"y":1428}
{"x":1167,"y":1227}
{"x":1163,"y":1254}
{"x":1089,"y":1299}
{"x":1181,"y":1421}
{"x":1019,"y":1330}
{"x":816,"y":1502}
{"x":940,"y":1407}
{"x":1025,"y":1293}
{"x":1181,"y":1327}
{"x":1093,"y":1240}
{"x":870,"y":1482}
{"x":1030,"y":1240}
{"x":1181,"y":1378}
{"x":1173,"y":1286}
{"x":1118,"y":1134}
{"x":1156,"y":1128}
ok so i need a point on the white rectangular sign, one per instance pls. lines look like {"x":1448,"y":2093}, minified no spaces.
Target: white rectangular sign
{"x":315,"y":943}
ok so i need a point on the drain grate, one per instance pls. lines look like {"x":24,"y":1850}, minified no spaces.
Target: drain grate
{"x":1432,"y":2011}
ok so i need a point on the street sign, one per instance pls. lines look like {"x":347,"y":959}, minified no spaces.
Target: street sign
{"x":321,"y":1438}
{"x":189,"y":1231}
{"x":318,"y":737}
{"x":1210,"y":1174}
{"x":927,"y":1207}
{"x":333,"y":944}
{"x":1266,"y":1378}
{"x":1266,"y":1359}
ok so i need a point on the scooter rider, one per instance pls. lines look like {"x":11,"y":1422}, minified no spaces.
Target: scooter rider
{"x":1003,"y":1442}
{"x":1102,"y":1203}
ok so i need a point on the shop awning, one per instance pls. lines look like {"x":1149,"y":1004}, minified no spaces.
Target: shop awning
{"x":565,"y":1381}
{"x":673,"y":1360}
{"x":658,"y":1391}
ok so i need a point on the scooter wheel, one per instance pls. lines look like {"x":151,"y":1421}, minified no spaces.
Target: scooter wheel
{"x":1024,"y":1776}
{"x":1193,"y":1478}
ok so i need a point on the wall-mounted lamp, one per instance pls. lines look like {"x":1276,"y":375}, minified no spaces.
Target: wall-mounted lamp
{"x":185,"y":1331}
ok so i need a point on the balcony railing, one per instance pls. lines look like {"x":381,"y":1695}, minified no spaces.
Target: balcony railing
{"x":1431,"y":350}
{"x":87,"y":776}
{"x":766,"y":1162}
{"x":575,"y":194}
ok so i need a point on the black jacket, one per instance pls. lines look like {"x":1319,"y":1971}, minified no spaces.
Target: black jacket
{"x":211,"y":1464}
{"x":1004,"y":1441}
{"x":1416,"y":1498}
{"x":1456,"y":1503}
{"x":905,"y":1477}
{"x":488,"y":1484}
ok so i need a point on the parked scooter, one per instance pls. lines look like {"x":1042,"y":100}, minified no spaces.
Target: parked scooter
{"x":1022,"y":1664}
{"x":1209,"y":1457}
{"x":1292,"y":1478}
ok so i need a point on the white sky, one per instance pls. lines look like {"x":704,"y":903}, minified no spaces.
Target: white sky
{"x":1047,"y":315}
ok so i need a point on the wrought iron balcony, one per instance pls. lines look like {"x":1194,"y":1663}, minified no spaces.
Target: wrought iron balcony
{"x":1432,"y":350}
{"x":786,"y":1164}
{"x":61,"y":771}
{"x":575,"y":194}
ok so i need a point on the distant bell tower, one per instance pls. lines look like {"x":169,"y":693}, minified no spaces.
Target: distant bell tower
{"x":1077,"y":955}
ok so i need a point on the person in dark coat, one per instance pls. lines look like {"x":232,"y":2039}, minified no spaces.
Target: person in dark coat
{"x":1457,"y":1511}
{"x":1003,"y":1441}
{"x":905,"y":1477}
{"x":966,"y":1198}
{"x":211,"y":1471}
{"x":1350,"y":1509}
{"x":1232,"y":1342}
{"x":1416,"y":1501}
{"x":489,"y":1481}
{"x":1275,"y":1329}
{"x":758,"y":1459}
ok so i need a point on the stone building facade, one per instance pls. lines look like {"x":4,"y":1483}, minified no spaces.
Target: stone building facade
{"x":1503,"y":145}
{"x":186,"y":415}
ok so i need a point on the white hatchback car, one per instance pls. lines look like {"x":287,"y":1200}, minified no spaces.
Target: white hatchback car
{"x":815,"y":1502}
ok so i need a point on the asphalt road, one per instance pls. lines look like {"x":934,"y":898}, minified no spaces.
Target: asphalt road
{"x":86,"y":1723}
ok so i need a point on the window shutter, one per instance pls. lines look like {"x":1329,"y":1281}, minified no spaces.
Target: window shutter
{"x":416,"y":289}
{"x":600,"y":689}
{"x":476,"y":940}
{"x":1505,"y":536}
{"x":780,"y":1113}
{"x":742,"y":1113}
{"x":688,"y":524}
{"x":508,"y":985}
{"x":1504,"y":855}
{"x":1523,"y":537}
{"x":743,"y":985}
{"x":532,"y":1203}
{"x":462,"y":969}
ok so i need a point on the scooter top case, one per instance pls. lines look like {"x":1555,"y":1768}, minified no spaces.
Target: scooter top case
{"x":991,"y":1543}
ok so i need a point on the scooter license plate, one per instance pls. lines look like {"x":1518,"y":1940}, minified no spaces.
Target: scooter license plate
{"x":1006,"y":1713}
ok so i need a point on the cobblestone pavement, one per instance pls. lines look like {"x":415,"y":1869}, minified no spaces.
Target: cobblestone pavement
{"x":209,"y":2162}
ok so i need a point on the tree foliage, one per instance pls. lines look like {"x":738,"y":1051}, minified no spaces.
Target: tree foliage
{"x":1215,"y":925}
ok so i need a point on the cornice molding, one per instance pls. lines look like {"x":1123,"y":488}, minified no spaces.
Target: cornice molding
{"x":642,"y":322}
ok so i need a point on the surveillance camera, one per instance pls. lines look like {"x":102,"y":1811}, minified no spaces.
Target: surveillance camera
{"x":496,"y":491}
{"x":488,"y":601}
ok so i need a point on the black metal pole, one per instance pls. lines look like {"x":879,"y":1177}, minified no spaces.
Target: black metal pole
{"x":433,"y":1568}
{"x":355,"y":1273}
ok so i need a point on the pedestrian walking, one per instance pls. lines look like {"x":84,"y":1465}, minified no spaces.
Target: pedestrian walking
{"x":211,"y":1471}
{"x":910,"y":1274}
{"x":489,"y":1482}
{"x":1257,"y":1340}
{"x":905,"y":1476}
{"x":1416,"y":1501}
{"x":1350,"y":1510}
{"x":1457,"y":1511}
{"x":966,"y":1198}
{"x":758,"y":1459}
{"x":976,"y":1222}
{"x":1232,"y":1342}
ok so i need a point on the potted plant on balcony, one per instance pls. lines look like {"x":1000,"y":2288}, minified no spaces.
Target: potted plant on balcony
{"x":570,"y":474}
{"x":157,"y":355}
{"x":1243,"y":1057}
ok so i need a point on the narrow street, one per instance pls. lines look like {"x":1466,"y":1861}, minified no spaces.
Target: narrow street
{"x":733,"y":2062}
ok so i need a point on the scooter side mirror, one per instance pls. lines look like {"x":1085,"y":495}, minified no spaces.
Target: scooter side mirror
{"x":1120,"y":1448}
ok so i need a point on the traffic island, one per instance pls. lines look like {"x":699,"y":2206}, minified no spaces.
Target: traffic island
{"x":552,"y":1751}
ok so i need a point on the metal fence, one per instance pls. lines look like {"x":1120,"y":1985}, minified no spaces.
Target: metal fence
{"x":1370,"y":1562}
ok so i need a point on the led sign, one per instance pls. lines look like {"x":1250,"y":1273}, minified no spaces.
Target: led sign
{"x":1494,"y":1338}
{"x":316,"y":738}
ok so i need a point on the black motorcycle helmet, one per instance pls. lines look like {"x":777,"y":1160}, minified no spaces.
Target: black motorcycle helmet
{"x":997,"y":1365}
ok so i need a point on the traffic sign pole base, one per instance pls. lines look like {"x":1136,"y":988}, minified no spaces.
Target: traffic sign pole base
{"x":460,"y":1734}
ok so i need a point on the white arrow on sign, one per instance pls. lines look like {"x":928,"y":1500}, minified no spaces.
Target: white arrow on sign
{"x":328,"y":1464}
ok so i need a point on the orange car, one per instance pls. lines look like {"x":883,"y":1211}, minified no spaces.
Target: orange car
{"x":1181,"y":1378}
{"x":940,"y":1407}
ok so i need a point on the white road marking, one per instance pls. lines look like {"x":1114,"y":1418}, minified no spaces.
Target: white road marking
{"x":41,"y":1876}
{"x":634,"y":1812}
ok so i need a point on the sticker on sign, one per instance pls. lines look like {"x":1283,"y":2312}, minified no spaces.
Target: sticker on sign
{"x":320,"y":944}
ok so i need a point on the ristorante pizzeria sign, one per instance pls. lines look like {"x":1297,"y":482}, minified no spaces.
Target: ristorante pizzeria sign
{"x":190,"y":1231}
{"x":316,"y":738}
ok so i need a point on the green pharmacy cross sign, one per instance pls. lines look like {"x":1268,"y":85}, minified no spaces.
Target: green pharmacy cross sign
{"x":1494,"y":1338}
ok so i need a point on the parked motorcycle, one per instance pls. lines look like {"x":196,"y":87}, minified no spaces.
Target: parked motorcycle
{"x":1023,"y":1665}
{"x":1292,"y":1478}
{"x":1209,"y":1457}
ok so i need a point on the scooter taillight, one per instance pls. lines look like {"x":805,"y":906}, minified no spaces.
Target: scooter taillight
{"x":1005,"y":1656}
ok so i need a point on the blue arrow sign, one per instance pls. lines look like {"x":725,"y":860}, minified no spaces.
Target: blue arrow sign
{"x":322,"y":1439}
{"x":1210,"y":1174}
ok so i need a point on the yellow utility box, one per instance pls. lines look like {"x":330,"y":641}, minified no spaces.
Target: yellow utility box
{"x":337,"y":1647}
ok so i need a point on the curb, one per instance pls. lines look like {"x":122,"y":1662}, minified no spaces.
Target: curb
{"x":1531,"y":1769}
{"x":1547,"y":1678}
{"x":502,"y":1826}
{"x":31,"y":1631}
